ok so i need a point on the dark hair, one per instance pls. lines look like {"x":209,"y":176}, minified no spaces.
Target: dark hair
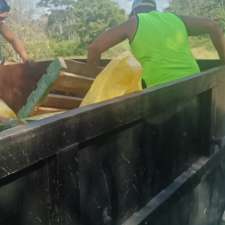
{"x":142,"y":6}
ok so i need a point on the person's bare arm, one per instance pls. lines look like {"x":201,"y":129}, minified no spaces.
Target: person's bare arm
{"x":197,"y":26}
{"x":16,"y":43}
{"x":109,"y":39}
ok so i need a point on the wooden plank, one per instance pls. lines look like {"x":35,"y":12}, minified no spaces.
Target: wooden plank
{"x":61,"y":101}
{"x":103,"y":62}
{"x":88,"y":123}
{"x":20,"y":79}
{"x":42,"y":88}
{"x":72,"y":84}
{"x":80,"y":68}
{"x":45,"y":110}
{"x":17,"y":81}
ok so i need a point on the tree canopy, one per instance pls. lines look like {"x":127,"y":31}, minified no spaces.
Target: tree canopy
{"x":214,"y":9}
{"x":81,"y":20}
{"x":66,"y":27}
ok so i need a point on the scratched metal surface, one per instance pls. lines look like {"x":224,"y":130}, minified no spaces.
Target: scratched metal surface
{"x":102,"y":163}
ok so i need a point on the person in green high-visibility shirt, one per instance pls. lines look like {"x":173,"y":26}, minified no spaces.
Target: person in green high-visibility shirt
{"x":159,"y":40}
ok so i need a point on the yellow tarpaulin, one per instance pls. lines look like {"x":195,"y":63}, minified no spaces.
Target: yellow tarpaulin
{"x":5,"y":112}
{"x":121,"y":76}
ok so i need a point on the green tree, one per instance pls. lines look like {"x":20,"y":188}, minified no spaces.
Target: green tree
{"x":81,"y":20}
{"x":214,"y":9}
{"x":32,"y":31}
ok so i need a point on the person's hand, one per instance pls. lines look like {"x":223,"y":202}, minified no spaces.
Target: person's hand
{"x":29,"y":62}
{"x":24,"y":56}
{"x":25,"y":59}
{"x":31,"y":66}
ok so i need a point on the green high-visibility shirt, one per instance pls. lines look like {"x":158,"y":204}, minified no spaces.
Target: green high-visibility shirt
{"x":161,"y":46}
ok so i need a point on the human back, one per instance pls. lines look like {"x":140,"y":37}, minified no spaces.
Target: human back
{"x":161,"y":45}
{"x":159,"y":41}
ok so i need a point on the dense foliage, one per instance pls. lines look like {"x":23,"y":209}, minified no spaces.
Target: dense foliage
{"x":214,"y":9}
{"x":65,"y":27}
{"x":60,"y":27}
{"x":82,"y":20}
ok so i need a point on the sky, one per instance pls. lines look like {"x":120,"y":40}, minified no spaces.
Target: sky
{"x":125,"y":4}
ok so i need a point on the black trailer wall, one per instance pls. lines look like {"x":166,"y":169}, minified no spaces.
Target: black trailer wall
{"x":158,"y":153}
